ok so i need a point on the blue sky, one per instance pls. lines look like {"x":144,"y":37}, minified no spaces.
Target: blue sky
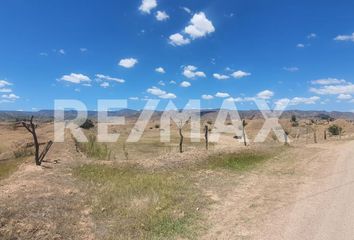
{"x":177,"y":50}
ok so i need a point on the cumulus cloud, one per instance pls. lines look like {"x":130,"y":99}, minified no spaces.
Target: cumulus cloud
{"x":191,"y":72}
{"x":207,"y":97}
{"x":10,"y":97}
{"x":312,"y":35}
{"x":297,"y":101}
{"x":185,"y":84}
{"x":222,"y":95}
{"x":147,"y":5}
{"x":160,"y":93}
{"x":220,"y":76}
{"x":104,"y":84}
{"x":344,"y":97}
{"x":328,"y":81}
{"x":128,"y":62}
{"x":348,"y":38}
{"x":240,"y":74}
{"x":76,"y":78}
{"x":266,"y":94}
{"x":161,"y":16}
{"x":178,"y":40}
{"x":160,"y":70}
{"x":199,"y":26}
{"x":5,"y":90}
{"x":300,"y":45}
{"x":108,"y":78}
{"x":61,"y":51}
{"x":4,"y":83}
{"x":347,"y":88}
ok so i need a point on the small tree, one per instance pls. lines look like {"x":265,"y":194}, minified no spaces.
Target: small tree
{"x":180,"y":127}
{"x":294,"y":121}
{"x":335,"y":130}
{"x":31,"y":127}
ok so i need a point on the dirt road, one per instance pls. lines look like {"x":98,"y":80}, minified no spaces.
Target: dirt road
{"x":307,"y":193}
{"x":324,"y":208}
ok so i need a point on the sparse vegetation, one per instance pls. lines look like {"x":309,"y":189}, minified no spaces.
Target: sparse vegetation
{"x":294,"y":121}
{"x":335,"y":130}
{"x":93,"y":149}
{"x":88,"y":124}
{"x":8,"y":167}
{"x":130,"y":203}
{"x":237,"y":161}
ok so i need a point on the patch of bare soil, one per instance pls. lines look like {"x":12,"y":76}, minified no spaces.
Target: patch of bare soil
{"x":45,"y":202}
{"x":245,"y":203}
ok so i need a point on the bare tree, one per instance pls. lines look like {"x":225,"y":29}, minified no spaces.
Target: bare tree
{"x":244,"y":124}
{"x":206,"y":137}
{"x":180,"y":127}
{"x":31,"y":127}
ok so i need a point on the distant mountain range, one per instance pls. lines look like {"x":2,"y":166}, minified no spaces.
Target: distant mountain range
{"x":48,"y":115}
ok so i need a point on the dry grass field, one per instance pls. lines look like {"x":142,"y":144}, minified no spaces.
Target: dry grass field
{"x":148,"y":190}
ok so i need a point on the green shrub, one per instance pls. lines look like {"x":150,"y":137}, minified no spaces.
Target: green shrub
{"x":335,"y":130}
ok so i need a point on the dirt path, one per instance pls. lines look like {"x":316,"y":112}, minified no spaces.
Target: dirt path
{"x":45,"y":202}
{"x":306,"y":194}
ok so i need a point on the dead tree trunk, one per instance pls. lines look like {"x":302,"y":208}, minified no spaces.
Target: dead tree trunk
{"x":244,"y":132}
{"x":315,"y":135}
{"x":31,"y":127}
{"x":180,"y":141}
{"x":325,"y":135}
{"x":286,"y":138}
{"x":206,"y":137}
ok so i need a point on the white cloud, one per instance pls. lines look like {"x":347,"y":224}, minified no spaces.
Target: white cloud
{"x":207,"y":97}
{"x":104,"y":84}
{"x":173,"y":82}
{"x":222,"y":95}
{"x":108,"y":78}
{"x":160,"y":70}
{"x":62,"y":51}
{"x":43,"y":54}
{"x":345,"y":38}
{"x":344,"y":97}
{"x":134,"y":98}
{"x":83,"y":49}
{"x":302,"y":100}
{"x":220,"y":76}
{"x":10,"y":97}
{"x":187,"y":10}
{"x":296,"y":101}
{"x":328,"y":81}
{"x":4,"y":83}
{"x":240,"y":74}
{"x":160,"y":93}
{"x":168,"y":96}
{"x":300,"y":45}
{"x":334,"y":89}
{"x":266,"y":94}
{"x":291,"y":69}
{"x":128,"y":62}
{"x":312,"y":35}
{"x":161,"y":83}
{"x":191,"y":72}
{"x":162,"y":16}
{"x":5,"y":90}
{"x":76,"y":78}
{"x":199,"y":26}
{"x":147,"y":5}
{"x":185,"y":84}
{"x":178,"y":40}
